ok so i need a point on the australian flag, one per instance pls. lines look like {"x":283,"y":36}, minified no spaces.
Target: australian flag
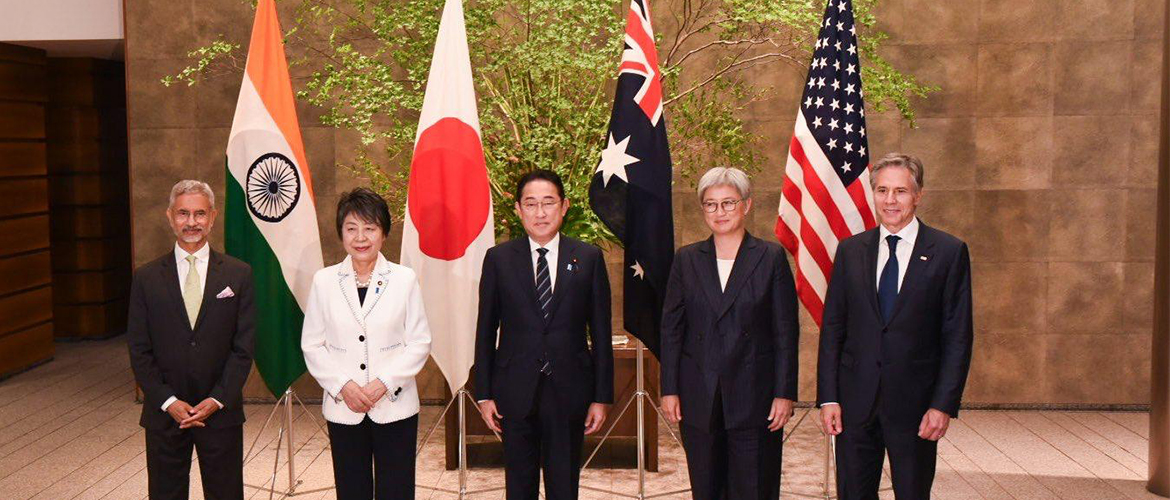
{"x":631,"y":187}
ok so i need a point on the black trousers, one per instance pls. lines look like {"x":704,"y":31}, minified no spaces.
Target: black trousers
{"x":221,"y":462}
{"x":732,"y":464}
{"x":548,"y":438}
{"x":360,"y":449}
{"x":861,"y":451}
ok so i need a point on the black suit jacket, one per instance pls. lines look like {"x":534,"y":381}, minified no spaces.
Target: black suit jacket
{"x":919,"y":358}
{"x":170,"y":358}
{"x":580,"y":306}
{"x":743,"y":338}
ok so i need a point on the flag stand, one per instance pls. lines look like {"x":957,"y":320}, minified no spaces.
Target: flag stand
{"x":461,"y":397}
{"x":284,"y":434}
{"x":641,"y":398}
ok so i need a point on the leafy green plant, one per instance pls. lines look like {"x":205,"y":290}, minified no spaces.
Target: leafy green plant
{"x":544,"y":73}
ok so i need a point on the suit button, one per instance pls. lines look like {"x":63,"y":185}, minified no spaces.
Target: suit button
{"x":885,"y":330}
{"x":361,"y":338}
{"x":363,"y":366}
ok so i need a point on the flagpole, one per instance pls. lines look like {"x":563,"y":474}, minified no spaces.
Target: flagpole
{"x":284,"y":436}
{"x":639,"y":399}
{"x":459,"y":401}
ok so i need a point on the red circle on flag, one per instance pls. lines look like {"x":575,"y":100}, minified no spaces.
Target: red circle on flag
{"x":449,"y":198}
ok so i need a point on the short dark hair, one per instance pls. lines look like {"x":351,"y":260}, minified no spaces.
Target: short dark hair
{"x":366,"y":205}
{"x":540,"y":174}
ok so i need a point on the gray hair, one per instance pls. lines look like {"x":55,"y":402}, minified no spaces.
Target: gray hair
{"x":911,"y":163}
{"x":726,"y":176}
{"x":189,"y":186}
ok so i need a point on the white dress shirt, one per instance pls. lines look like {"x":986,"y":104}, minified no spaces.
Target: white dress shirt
{"x":908,"y":235}
{"x":201,"y":257}
{"x":181,"y":264}
{"x":905,"y":247}
{"x":724,"y":266}
{"x":553,"y":245}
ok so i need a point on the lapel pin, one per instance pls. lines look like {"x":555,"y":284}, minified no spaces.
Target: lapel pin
{"x":923,"y":257}
{"x":572,"y":267}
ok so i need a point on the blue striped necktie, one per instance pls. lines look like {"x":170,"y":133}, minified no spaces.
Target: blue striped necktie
{"x":543,"y":282}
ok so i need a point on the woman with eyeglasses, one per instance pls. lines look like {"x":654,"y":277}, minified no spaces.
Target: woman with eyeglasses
{"x":729,"y":348}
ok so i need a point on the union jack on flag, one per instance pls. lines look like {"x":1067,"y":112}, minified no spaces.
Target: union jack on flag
{"x":826,"y":195}
{"x":640,"y":57}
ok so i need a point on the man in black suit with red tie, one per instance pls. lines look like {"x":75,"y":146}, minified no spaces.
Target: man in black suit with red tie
{"x":550,"y":380}
{"x":190,"y":333}
{"x":895,"y":341}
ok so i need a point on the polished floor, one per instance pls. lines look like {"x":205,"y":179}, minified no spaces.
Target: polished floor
{"x":68,"y":430}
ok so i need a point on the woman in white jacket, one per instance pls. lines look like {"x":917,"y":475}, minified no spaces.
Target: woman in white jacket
{"x":365,"y":338}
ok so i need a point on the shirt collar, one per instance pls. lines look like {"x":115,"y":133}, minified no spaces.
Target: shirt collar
{"x":552,"y":244}
{"x":908,"y":234}
{"x":201,"y":255}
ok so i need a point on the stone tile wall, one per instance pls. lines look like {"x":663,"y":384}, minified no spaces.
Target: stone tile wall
{"x":1040,"y":151}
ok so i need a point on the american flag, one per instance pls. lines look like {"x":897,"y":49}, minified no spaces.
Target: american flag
{"x":826,"y":195}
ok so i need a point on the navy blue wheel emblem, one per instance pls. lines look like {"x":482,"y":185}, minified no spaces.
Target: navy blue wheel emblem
{"x":273,"y":187}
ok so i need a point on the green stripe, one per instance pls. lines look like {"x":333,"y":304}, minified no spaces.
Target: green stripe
{"x":278,"y":316}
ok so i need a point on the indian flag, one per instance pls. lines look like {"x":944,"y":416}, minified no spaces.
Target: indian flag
{"x":271,"y":221}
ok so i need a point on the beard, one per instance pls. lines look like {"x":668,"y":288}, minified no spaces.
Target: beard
{"x":188,"y":237}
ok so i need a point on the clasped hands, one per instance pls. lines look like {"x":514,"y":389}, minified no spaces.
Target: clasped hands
{"x":932,"y":428}
{"x":189,"y":416}
{"x":361,"y":399}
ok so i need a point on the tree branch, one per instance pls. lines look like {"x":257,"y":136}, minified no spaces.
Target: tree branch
{"x":733,"y":66}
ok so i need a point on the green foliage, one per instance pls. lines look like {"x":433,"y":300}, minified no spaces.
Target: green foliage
{"x":544,"y":73}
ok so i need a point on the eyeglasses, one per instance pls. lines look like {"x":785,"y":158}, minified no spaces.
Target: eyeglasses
{"x":728,"y":205}
{"x":531,"y":206}
{"x":198,"y":215}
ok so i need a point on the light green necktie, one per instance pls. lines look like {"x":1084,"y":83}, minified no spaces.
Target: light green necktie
{"x":192,"y":291}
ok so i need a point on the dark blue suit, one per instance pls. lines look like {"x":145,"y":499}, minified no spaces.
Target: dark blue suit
{"x":886,"y":373}
{"x":543,"y":413}
{"x":727,"y":354}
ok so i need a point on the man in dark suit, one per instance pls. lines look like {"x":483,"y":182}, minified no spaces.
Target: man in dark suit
{"x":729,"y":348}
{"x":190,"y":333}
{"x":544,"y":386}
{"x":895,"y":341}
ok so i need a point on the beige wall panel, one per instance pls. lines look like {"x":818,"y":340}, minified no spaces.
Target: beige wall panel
{"x":1040,"y":149}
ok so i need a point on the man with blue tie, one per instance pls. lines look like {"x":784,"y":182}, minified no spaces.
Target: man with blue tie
{"x":895,"y":341}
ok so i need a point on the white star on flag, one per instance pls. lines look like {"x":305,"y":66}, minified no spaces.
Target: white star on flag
{"x":614,"y":160}
{"x":638,"y":272}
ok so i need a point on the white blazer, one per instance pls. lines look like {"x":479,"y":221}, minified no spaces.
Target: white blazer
{"x":386,"y":337}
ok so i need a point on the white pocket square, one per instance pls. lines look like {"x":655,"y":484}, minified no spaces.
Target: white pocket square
{"x":227,"y":292}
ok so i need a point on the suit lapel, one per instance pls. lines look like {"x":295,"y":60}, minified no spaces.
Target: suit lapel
{"x":377,"y":286}
{"x":170,"y":276}
{"x":212,"y":285}
{"x":565,"y":255}
{"x":527,"y":274}
{"x":871,"y":253}
{"x":347,"y":280}
{"x":746,"y":260}
{"x":923,"y":247}
{"x":708,"y":272}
